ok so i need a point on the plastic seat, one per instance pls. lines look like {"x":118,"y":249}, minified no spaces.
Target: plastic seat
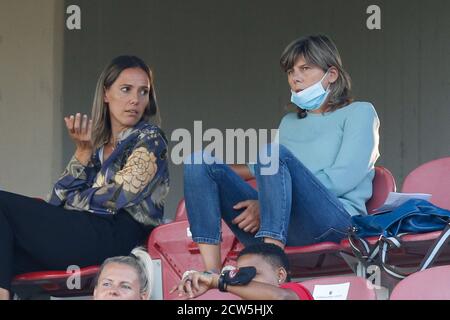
{"x":359,"y":289}
{"x":430,"y":284}
{"x":434,"y":178}
{"x":172,"y":246}
{"x":53,"y":283}
{"x":383,"y":183}
{"x":44,"y":283}
{"x":180,"y":214}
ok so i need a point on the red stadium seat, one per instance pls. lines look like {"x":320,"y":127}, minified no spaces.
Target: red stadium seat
{"x":53,"y":283}
{"x":172,"y":245}
{"x":382,"y":184}
{"x":180,"y":214}
{"x":434,"y":178}
{"x":429,"y":284}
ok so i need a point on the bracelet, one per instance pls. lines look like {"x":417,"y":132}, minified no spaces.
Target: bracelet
{"x":236,"y":277}
{"x":228,"y":267}
{"x":211,"y":271}
{"x":222,"y":285}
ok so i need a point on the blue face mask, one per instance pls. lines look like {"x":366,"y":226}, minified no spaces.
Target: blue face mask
{"x":312,"y":97}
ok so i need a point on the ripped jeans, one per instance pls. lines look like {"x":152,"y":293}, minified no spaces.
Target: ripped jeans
{"x":295,"y":208}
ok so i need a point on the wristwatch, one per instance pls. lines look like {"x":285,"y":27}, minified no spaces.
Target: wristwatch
{"x":236,"y":277}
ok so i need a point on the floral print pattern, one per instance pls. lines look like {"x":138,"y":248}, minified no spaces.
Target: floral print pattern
{"x":134,"y":178}
{"x":140,"y":168}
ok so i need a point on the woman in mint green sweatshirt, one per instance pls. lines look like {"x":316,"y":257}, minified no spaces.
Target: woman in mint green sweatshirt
{"x":327,"y":152}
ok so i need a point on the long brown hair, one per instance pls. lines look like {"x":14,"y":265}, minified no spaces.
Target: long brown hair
{"x":101,"y":123}
{"x":320,"y":51}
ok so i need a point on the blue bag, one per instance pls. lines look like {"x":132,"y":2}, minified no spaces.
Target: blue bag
{"x":414,"y":216}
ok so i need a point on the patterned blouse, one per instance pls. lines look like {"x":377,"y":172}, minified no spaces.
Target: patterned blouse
{"x":135,"y":178}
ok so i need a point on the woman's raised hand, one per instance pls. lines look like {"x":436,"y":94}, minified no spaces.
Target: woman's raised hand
{"x":80,"y":129}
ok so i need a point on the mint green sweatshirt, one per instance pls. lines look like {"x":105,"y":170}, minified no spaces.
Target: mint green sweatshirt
{"x":340,"y":148}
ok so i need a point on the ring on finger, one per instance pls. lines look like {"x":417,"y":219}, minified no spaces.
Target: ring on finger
{"x":187,"y":274}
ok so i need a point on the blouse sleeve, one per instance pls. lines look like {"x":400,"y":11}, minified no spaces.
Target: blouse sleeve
{"x":144,"y":168}
{"x":75,"y":178}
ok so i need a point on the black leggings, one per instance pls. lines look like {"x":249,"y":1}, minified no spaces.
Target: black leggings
{"x":36,"y":236}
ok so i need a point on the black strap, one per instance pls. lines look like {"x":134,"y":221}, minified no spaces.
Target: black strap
{"x":433,"y":253}
{"x":377,"y":254}
{"x":362,"y":249}
{"x":222,"y":285}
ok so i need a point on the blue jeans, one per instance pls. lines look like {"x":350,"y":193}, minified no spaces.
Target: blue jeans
{"x":295,"y":208}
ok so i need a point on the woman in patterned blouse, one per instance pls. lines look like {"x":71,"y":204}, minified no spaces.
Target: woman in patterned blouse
{"x":110,"y":196}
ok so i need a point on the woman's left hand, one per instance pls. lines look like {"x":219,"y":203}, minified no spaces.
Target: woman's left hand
{"x":248,"y":220}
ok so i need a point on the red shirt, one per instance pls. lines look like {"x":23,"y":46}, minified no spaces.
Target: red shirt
{"x":301,"y":291}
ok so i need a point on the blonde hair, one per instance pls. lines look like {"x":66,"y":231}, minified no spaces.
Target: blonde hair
{"x":140,"y":261}
{"x":321,"y":51}
{"x":101,"y":123}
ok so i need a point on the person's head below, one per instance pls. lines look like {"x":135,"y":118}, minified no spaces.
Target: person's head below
{"x":125,"y":94}
{"x":314,"y":62}
{"x":270,"y":261}
{"x":125,"y":277}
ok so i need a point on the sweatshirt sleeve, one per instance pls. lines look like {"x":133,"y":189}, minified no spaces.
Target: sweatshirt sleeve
{"x":358,"y":152}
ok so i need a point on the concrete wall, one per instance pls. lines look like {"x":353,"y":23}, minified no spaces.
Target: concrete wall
{"x":31,"y":42}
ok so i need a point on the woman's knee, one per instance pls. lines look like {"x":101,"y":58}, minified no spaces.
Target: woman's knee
{"x":270,"y":157}
{"x":281,"y":152}
{"x":199,"y":163}
{"x":273,"y":152}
